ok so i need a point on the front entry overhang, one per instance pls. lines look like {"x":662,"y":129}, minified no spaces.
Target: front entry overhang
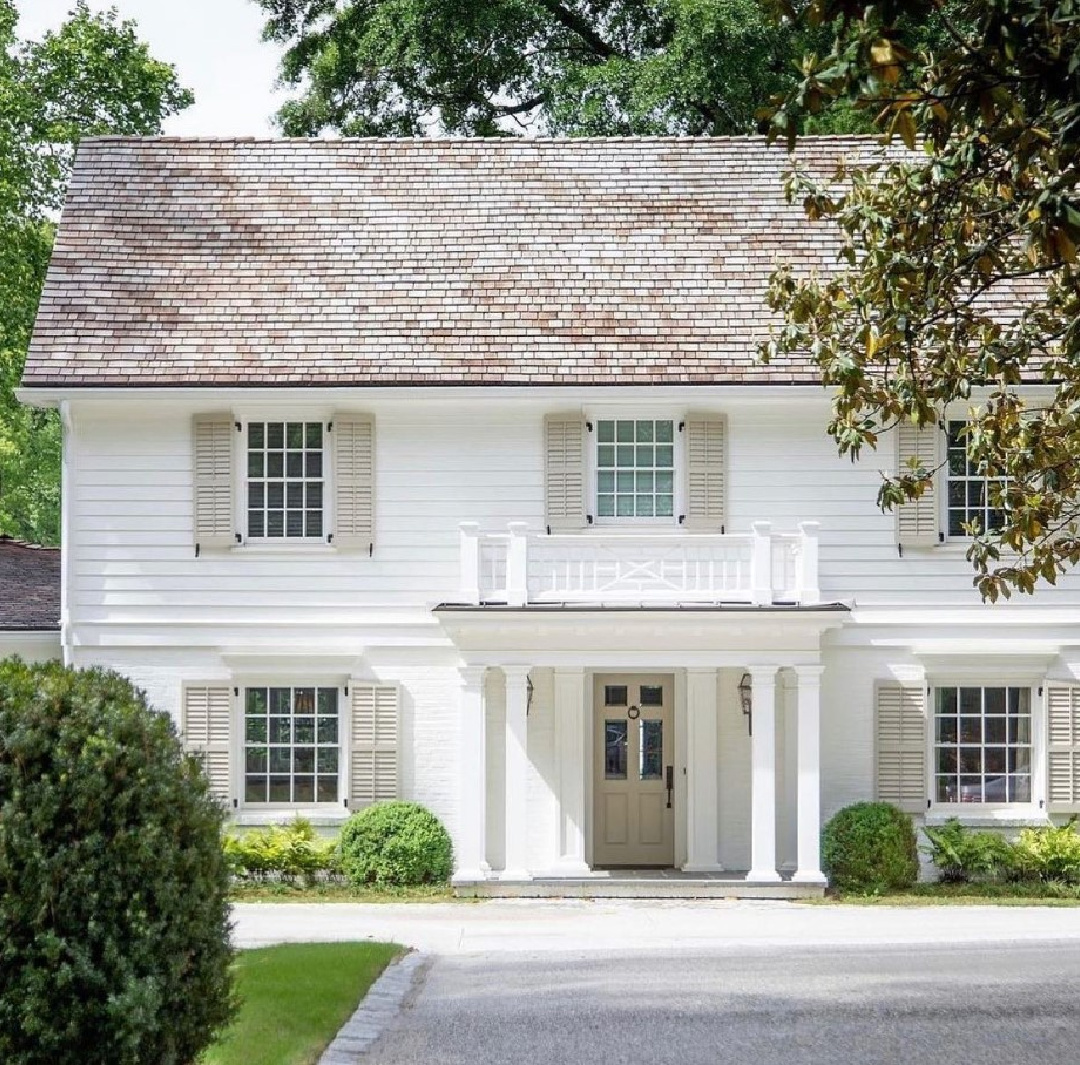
{"x":620,"y":637}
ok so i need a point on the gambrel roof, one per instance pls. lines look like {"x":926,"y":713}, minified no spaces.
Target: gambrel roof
{"x":423,"y":262}
{"x":29,"y":586}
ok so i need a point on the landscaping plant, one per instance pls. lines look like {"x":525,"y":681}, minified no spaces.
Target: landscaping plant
{"x":395,"y":843}
{"x":962,"y":855}
{"x":869,"y":848}
{"x":291,"y":852}
{"x":114,"y":921}
{"x":1050,"y":853}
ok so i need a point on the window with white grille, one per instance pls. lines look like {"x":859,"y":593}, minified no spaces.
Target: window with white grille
{"x":972,"y":497}
{"x":635,"y":469}
{"x":286,"y":480}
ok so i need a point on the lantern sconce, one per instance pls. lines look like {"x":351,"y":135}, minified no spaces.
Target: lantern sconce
{"x":528,"y":694}
{"x":746,"y":700}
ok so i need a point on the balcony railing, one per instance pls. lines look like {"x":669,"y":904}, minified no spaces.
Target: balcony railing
{"x":626,"y":567}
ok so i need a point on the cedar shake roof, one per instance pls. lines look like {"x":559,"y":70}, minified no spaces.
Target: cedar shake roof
{"x":424,"y":262}
{"x":29,"y":586}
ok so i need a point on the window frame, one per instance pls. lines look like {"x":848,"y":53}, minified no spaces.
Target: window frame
{"x":946,"y":479}
{"x":611,"y":523}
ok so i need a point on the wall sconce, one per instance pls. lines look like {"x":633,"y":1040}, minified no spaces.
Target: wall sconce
{"x":528,"y":695}
{"x":746,"y":700}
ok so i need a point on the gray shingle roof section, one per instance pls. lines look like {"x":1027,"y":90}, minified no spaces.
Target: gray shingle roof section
{"x":423,"y":262}
{"x":29,"y":586}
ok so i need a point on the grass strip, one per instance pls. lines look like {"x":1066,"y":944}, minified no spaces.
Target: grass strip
{"x":280,"y":892}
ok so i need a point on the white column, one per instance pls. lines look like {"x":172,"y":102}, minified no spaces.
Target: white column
{"x":472,"y":781}
{"x":809,"y":786}
{"x":517,"y":773}
{"x":763,"y":775}
{"x":701,"y":786}
{"x":570,"y":726}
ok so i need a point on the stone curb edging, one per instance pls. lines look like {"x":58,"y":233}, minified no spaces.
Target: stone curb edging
{"x":377,"y":1009}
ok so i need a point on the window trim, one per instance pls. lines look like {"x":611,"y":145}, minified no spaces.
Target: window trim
{"x":635,"y":524}
{"x":945,"y":479}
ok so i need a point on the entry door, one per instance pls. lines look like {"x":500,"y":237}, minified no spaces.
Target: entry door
{"x":634,"y":771}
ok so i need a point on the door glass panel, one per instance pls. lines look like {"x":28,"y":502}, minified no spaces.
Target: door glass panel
{"x":652,"y":748}
{"x":614,"y":695}
{"x":652,"y":695}
{"x":615,"y":736}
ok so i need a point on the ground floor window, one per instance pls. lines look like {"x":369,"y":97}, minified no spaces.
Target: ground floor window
{"x":291,"y":745}
{"x":982,"y":744}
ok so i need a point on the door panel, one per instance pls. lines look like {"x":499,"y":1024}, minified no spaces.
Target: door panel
{"x":634,"y":744}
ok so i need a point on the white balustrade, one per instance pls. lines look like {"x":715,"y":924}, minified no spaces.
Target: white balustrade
{"x":625,"y":567}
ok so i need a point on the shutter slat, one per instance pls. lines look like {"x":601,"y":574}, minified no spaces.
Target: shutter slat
{"x":354,"y":482}
{"x":706,"y":472}
{"x":373,"y":757}
{"x":900,"y":738}
{"x":1063,"y":747}
{"x":917,"y":521}
{"x":564,"y":472}
{"x":206,"y":732}
{"x":213,"y":481}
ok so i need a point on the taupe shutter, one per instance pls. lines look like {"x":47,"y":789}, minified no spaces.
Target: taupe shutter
{"x":213,"y":481}
{"x":205,"y":730}
{"x":1063,"y":751}
{"x":373,"y":756}
{"x":564,"y":472}
{"x":706,"y":472}
{"x":917,"y":521}
{"x":900,"y":729}
{"x":354,"y":482}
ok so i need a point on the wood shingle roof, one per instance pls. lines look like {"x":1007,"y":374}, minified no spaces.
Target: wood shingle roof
{"x":29,"y":586}
{"x":423,"y":262}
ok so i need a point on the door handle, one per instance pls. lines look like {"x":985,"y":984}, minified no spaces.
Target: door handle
{"x":669,"y":776}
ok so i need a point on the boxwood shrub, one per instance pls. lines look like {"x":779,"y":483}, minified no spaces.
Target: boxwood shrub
{"x":869,"y":848}
{"x":114,"y":921}
{"x":395,"y":843}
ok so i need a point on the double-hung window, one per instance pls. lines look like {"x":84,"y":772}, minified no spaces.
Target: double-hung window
{"x":286,"y":468}
{"x":982,"y":744}
{"x":971,"y":495}
{"x":635,"y":469}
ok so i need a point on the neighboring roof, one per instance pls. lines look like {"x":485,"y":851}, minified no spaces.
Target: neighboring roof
{"x":29,"y":586}
{"x":423,"y":262}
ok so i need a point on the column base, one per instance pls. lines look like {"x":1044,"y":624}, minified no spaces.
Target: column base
{"x":809,"y":876}
{"x":702,"y":867}
{"x":468,"y":876}
{"x":515,"y":874}
{"x":763,"y":876}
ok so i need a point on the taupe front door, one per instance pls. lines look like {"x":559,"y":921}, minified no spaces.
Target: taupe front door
{"x":634,"y":823}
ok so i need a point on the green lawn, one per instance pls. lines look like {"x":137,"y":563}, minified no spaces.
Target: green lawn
{"x":294,"y":998}
{"x":992,"y":894}
{"x":278,"y":892}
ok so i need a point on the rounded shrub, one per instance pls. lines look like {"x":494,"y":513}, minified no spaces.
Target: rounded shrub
{"x":395,"y":843}
{"x":114,"y":920}
{"x":869,"y":848}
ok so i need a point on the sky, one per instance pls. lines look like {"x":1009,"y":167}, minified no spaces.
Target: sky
{"x":215,"y":46}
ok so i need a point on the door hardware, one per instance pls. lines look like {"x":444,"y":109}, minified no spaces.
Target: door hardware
{"x":669,"y":775}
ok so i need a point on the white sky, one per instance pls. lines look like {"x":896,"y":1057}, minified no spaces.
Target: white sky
{"x":215,"y":46}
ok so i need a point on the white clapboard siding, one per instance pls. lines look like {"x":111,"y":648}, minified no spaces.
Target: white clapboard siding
{"x":1063,"y":747}
{"x":354,"y":482}
{"x":918,"y":523}
{"x":373,"y":755}
{"x":213,"y":482}
{"x":706,"y":473}
{"x":900,"y":731}
{"x":205,"y":730}
{"x":564,"y":472}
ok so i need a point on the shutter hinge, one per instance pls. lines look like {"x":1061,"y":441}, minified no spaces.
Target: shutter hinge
{"x":239,"y":538}
{"x":235,"y":803}
{"x":196,"y":550}
{"x":370,"y":550}
{"x":346,"y":691}
{"x":682,"y":426}
{"x":1040,"y":691}
{"x":1042,"y":804}
{"x":682,"y":519}
{"x":548,"y":530}
{"x":239,"y":427}
{"x":329,"y":427}
{"x":329,"y":538}
{"x":941,"y":538}
{"x":588,"y":518}
{"x":722,"y":533}
{"x":928,"y":802}
{"x":236,"y":692}
{"x":900,"y":550}
{"x":588,"y":425}
{"x":345,"y":803}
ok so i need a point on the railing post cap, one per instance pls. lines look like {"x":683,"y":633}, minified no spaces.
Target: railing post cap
{"x":469,"y":526}
{"x":518,"y":528}
{"x":762,"y":528}
{"x":809,"y":528}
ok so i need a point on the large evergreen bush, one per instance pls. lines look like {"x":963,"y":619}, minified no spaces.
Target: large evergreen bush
{"x":114,"y":931}
{"x":869,"y":848}
{"x":395,"y":843}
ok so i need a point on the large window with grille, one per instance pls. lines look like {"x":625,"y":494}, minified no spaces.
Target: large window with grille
{"x":285,"y":480}
{"x":635,"y":469}
{"x":971,"y":495}
{"x":292,"y":745}
{"x":982,"y":744}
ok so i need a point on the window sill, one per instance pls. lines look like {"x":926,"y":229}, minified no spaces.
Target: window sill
{"x":319,"y":816}
{"x":1001,"y":817}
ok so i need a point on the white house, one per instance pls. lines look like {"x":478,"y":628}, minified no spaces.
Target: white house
{"x":447,"y":470}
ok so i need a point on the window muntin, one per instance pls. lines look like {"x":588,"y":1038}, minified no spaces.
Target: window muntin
{"x":635,"y":468}
{"x":968,"y":491}
{"x":285,"y":480}
{"x":292,"y":748}
{"x":982,"y":745}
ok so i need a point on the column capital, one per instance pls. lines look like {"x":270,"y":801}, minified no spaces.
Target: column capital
{"x":809,"y":671}
{"x":516,"y":672}
{"x":472,"y":674}
{"x":765,"y":673}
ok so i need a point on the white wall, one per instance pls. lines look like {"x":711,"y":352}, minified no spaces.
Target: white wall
{"x":30,"y":646}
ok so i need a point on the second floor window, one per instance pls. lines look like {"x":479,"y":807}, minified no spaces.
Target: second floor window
{"x":285,"y":480}
{"x":970,"y":492}
{"x":635,"y":468}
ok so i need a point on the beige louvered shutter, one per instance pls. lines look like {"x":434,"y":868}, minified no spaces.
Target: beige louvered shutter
{"x":706,"y":473}
{"x":354,"y":482}
{"x":213,"y":482}
{"x":373,"y":756}
{"x":205,"y":730}
{"x":901,"y":747}
{"x":564,"y":472}
{"x":917,"y":521}
{"x":1063,"y":747}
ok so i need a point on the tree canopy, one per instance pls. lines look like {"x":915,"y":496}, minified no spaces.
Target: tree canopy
{"x":958,"y":278}
{"x":92,"y":76}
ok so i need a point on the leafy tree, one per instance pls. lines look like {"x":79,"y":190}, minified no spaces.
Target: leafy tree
{"x":958,"y":276}
{"x":92,"y":76}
